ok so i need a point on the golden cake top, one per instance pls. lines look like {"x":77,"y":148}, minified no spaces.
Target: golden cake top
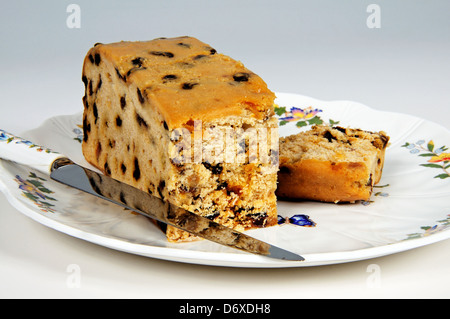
{"x":186,"y":79}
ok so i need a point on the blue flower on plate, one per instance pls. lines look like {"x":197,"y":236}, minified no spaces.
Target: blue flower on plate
{"x":281,"y":220}
{"x":3,"y":136}
{"x":25,"y":142}
{"x":298,"y":220}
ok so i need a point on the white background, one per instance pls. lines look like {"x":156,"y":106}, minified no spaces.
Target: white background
{"x":322,"y":49}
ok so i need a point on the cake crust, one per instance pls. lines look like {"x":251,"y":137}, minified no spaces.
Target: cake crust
{"x":160,"y":67}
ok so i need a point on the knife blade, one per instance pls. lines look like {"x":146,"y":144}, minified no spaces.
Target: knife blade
{"x":63,"y":170}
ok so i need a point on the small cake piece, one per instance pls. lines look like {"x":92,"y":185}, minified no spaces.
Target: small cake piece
{"x":166,"y":116}
{"x":331,"y":164}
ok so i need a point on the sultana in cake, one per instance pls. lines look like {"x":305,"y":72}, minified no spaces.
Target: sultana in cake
{"x":331,"y":164}
{"x":175,"y":118}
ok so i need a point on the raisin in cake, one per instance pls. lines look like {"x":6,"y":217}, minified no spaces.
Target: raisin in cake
{"x":331,"y":164}
{"x":156,"y":115}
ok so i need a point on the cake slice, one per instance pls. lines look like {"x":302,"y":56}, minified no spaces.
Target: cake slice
{"x":331,"y":164}
{"x":177,"y":119}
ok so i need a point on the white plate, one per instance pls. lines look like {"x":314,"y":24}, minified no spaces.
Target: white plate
{"x":411,"y":208}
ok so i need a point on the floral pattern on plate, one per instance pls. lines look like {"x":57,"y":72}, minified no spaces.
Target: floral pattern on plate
{"x":78,"y":131}
{"x":34,"y":189}
{"x":301,"y":116}
{"x":441,"y":225}
{"x":438,"y":158}
{"x":8,"y":138}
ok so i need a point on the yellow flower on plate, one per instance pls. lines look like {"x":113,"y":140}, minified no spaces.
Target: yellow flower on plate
{"x":440,"y":158}
{"x":300,"y":114}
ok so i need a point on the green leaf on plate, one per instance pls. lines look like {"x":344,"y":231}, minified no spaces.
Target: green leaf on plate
{"x":280,"y":110}
{"x":315,"y":120}
{"x":333,"y":122}
{"x":47,"y":204}
{"x":301,"y":124}
{"x":427,"y":155}
{"x":431,"y":165}
{"x":45,"y":190}
{"x":405,"y":145}
{"x":33,"y":175}
{"x":35,"y":183}
{"x":30,"y":196}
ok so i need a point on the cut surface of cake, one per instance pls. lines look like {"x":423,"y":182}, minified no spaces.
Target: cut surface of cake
{"x":177,"y":119}
{"x":331,"y":164}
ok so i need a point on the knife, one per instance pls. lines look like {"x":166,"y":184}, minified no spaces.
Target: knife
{"x":63,"y":170}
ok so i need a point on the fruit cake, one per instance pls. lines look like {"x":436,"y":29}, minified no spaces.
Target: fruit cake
{"x":177,"y":119}
{"x":331,"y":164}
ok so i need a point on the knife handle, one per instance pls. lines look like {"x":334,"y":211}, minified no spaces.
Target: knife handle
{"x":19,"y":150}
